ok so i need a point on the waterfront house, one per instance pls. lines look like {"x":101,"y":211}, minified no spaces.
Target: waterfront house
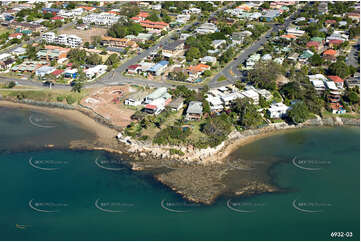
{"x":194,"y":111}
{"x":278,"y":110}
{"x":339,"y":82}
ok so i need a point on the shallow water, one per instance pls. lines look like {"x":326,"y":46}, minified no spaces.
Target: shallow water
{"x":91,"y":195}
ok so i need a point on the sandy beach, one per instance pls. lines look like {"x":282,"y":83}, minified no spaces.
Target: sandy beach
{"x":104,"y":134}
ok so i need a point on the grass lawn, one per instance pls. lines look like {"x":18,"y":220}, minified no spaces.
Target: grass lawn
{"x":45,"y":95}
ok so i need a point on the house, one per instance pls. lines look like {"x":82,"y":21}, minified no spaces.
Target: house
{"x":354,"y":16}
{"x":150,"y":25}
{"x":208,"y":59}
{"x":337,"y":108}
{"x":5,"y":56}
{"x":278,"y":110}
{"x":330,"y":55}
{"x":95,"y":71}
{"x":334,"y":43}
{"x":101,"y":19}
{"x":158,"y":93}
{"x":28,"y":66}
{"x":135,"y":99}
{"x":133,"y":69}
{"x":158,"y":68}
{"x":19,"y":51}
{"x":194,"y":111}
{"x":270,"y":15}
{"x":314,"y":44}
{"x":296,"y":32}
{"x":57,"y":18}
{"x":15,"y":36}
{"x":44,"y":70}
{"x":339,"y":82}
{"x":195,"y":71}
{"x":6,"y":64}
{"x":71,"y":73}
{"x":353,"y":81}
{"x":48,"y":37}
{"x":318,"y":81}
{"x":206,"y":28}
{"x":176,"y":104}
{"x":323,"y":8}
{"x":305,"y":56}
{"x":173,"y":49}
{"x":218,"y":43}
{"x":53,"y":11}
{"x":251,"y":94}
{"x":57,"y":73}
{"x":288,"y":36}
{"x":117,"y":42}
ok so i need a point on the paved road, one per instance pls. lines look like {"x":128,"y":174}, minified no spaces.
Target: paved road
{"x":233,"y":66}
{"x":37,"y":39}
{"x":110,"y":77}
{"x":352,"y":58}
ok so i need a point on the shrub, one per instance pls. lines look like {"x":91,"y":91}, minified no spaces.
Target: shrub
{"x":70,"y":99}
{"x":60,"y":98}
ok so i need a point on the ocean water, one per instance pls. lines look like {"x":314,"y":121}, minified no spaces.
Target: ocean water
{"x":90,"y":195}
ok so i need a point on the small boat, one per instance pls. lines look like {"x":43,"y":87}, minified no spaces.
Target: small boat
{"x":19,"y":226}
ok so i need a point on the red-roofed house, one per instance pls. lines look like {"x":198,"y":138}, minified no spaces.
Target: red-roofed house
{"x":57,"y":73}
{"x":334,"y":42}
{"x":354,"y":16}
{"x":330,"y":22}
{"x":140,"y":17}
{"x":133,"y":69}
{"x":330,"y":55}
{"x":154,"y":25}
{"x":15,"y":36}
{"x":317,"y":45}
{"x":87,"y":8}
{"x":337,"y":80}
{"x":57,"y":18}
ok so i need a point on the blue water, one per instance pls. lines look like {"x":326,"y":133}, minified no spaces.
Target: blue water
{"x":72,"y":195}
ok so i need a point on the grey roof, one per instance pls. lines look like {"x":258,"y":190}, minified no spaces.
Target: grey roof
{"x":195,"y":107}
{"x":173,"y":45}
{"x":175,"y":103}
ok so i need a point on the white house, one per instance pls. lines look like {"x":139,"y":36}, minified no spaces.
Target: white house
{"x":48,"y":37}
{"x":278,"y":110}
{"x":96,"y":70}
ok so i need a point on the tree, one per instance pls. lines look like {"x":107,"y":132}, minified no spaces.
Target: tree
{"x":11,"y":84}
{"x":247,"y":112}
{"x":264,"y":75}
{"x":153,"y":17}
{"x":339,"y":68}
{"x":193,"y":53}
{"x":112,"y":60}
{"x":77,"y":87}
{"x":316,"y":60}
{"x":351,"y":97}
{"x":298,"y":113}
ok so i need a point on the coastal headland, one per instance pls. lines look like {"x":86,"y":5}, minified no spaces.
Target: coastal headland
{"x":200,"y":175}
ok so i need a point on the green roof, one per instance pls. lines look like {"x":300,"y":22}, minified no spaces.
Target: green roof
{"x":317,"y":39}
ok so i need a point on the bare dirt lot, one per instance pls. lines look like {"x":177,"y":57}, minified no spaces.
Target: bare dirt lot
{"x":107,"y":102}
{"x":84,"y":34}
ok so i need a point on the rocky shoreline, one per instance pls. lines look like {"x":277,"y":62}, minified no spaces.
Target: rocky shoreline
{"x":200,"y":176}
